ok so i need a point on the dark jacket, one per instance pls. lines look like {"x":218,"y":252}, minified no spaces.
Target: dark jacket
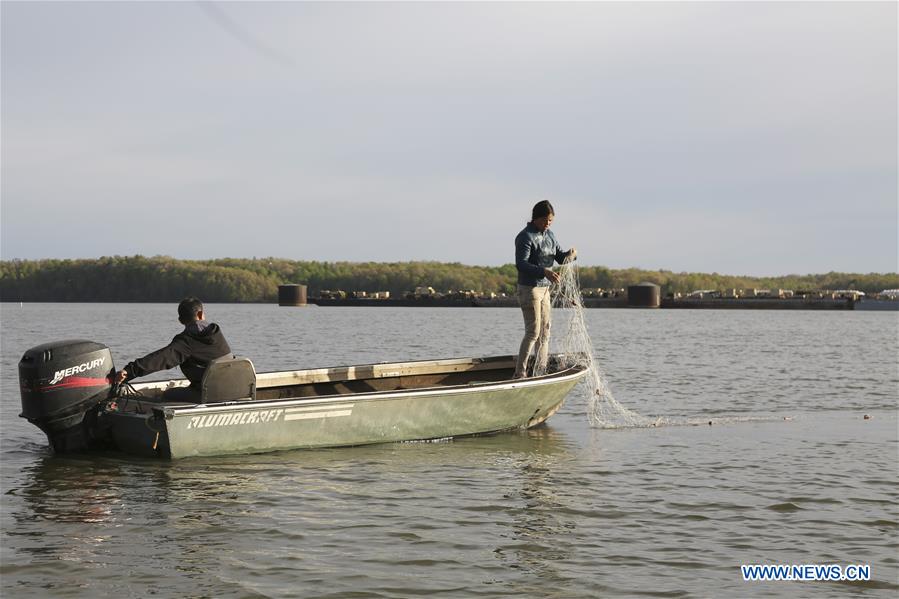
{"x":192,"y":349}
{"x":534,"y":251}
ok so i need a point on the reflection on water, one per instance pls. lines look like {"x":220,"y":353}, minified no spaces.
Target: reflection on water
{"x":533,"y":541}
{"x":370,"y":505}
{"x":71,"y":489}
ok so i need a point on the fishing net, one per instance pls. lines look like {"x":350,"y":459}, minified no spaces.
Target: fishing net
{"x":571,"y":339}
{"x":571,"y":342}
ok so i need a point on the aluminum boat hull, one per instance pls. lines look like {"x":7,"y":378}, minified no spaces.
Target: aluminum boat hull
{"x":356,"y":405}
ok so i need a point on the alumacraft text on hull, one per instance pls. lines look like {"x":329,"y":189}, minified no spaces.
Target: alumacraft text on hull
{"x":66,"y":392}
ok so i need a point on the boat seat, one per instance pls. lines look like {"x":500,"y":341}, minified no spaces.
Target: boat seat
{"x":228,"y":379}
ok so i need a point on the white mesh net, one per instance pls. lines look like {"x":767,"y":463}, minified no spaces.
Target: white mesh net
{"x":570,"y":338}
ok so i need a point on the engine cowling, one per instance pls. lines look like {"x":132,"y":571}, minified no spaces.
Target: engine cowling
{"x":61,"y":383}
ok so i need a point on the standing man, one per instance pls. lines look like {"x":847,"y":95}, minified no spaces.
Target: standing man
{"x":192,"y":349}
{"x":536,"y":249}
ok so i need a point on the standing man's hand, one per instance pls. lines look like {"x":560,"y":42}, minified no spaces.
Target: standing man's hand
{"x":120,"y":377}
{"x":551,"y":275}
{"x":572,"y":255}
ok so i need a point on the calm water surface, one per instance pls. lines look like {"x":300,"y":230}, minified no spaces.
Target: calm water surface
{"x":789,"y":472}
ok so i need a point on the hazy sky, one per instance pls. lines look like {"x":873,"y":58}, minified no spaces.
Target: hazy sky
{"x":742,"y":138}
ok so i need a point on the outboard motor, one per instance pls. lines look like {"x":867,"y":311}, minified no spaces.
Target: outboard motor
{"x":61,"y":383}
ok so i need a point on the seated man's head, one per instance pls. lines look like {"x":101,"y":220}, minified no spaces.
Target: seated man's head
{"x":189,"y":310}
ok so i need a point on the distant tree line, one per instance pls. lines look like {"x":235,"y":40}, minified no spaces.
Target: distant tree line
{"x":165,"y":279}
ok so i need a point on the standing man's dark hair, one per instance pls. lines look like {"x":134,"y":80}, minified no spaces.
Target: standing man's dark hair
{"x":542,"y":209}
{"x":188,"y":310}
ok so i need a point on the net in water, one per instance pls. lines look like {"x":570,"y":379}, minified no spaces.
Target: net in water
{"x":572,"y":340}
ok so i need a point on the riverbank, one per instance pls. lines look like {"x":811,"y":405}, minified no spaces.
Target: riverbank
{"x":232,"y":280}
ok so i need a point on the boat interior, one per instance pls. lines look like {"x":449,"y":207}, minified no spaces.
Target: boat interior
{"x":235,"y":379}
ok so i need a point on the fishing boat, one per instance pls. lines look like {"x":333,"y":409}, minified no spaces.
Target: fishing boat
{"x":66,"y":391}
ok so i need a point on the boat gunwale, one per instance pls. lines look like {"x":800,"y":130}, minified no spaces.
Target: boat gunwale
{"x":310,"y":374}
{"x":571,"y":372}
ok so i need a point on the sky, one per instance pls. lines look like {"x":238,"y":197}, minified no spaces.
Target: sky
{"x":739,"y":138}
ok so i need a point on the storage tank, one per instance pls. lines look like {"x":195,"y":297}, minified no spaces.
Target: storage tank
{"x":644,"y":295}
{"x":291,"y":295}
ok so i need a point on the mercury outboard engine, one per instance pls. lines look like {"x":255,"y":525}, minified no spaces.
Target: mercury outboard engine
{"x":61,"y":383}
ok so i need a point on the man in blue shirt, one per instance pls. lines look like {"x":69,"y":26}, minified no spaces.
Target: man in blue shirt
{"x":536,"y":249}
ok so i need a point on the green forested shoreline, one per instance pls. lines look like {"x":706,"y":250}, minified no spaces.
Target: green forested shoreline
{"x":165,"y":279}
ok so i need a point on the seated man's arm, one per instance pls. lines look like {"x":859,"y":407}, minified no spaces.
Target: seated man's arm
{"x":169,"y":356}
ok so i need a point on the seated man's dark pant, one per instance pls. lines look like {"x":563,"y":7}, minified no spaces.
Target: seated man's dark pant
{"x":188,"y":394}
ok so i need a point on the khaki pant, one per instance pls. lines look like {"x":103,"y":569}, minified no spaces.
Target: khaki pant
{"x":535,"y":307}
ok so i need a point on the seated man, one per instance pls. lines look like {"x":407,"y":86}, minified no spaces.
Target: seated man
{"x":192,"y":349}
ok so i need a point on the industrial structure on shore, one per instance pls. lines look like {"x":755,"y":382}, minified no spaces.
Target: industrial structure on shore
{"x":644,"y":295}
